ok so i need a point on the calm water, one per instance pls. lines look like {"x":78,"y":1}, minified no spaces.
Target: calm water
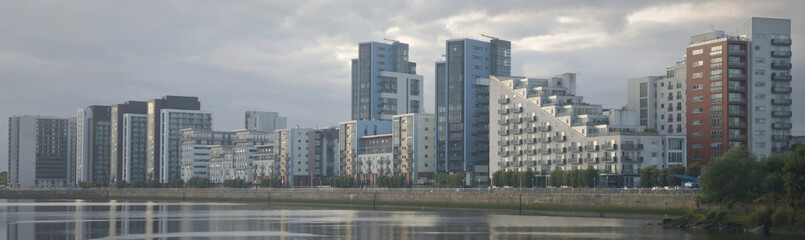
{"x":71,"y":219}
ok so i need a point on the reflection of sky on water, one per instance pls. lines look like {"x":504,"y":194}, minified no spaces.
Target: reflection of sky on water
{"x":28,"y":219}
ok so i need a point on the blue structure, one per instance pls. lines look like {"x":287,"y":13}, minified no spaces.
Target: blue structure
{"x":462,"y":104}
{"x":384,"y":82}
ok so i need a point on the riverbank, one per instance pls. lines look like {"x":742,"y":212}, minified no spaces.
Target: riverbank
{"x":583,"y":203}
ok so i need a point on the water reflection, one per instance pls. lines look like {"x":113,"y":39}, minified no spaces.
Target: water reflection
{"x":38,"y":219}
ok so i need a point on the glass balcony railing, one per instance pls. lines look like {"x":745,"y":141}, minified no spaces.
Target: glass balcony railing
{"x":781,"y":65}
{"x":780,"y":113}
{"x":781,"y":89}
{"x":785,"y":78}
{"x":785,"y":54}
{"x":781,"y":125}
{"x":776,"y":41}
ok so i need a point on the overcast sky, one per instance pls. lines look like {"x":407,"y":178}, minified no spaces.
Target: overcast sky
{"x":293,"y":56}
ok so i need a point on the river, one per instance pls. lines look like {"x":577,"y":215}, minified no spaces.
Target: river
{"x":78,"y":219}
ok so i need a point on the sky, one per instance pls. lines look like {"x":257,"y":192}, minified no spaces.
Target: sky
{"x":294,"y":56}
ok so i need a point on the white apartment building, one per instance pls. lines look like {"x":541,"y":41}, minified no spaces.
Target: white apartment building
{"x":172,"y":123}
{"x":291,"y":152}
{"x":414,"y":144}
{"x":196,"y":150}
{"x":540,"y":125}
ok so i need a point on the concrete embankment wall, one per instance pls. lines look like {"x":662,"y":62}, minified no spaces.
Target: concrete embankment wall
{"x":488,"y":199}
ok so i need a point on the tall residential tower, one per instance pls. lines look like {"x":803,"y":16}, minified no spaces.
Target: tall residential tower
{"x":384,"y":82}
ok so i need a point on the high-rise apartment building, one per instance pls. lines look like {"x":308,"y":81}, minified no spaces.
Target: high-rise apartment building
{"x":350,"y":135}
{"x":173,"y":121}
{"x":155,"y":127}
{"x":41,"y":152}
{"x":291,"y":151}
{"x":541,"y":125}
{"x":768,"y":83}
{"x":118,"y":120}
{"x":643,"y":99}
{"x":264,"y":121}
{"x":414,"y":145}
{"x":384,"y":82}
{"x":717,"y":95}
{"x":133,"y":147}
{"x":462,"y":103}
{"x":660,"y":100}
{"x":93,"y":145}
{"x":196,"y":150}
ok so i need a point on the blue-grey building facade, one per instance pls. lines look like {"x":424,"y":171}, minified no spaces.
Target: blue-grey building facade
{"x":462,"y":103}
{"x":384,"y":82}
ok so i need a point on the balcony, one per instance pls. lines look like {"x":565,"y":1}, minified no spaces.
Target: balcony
{"x":544,"y":162}
{"x":736,"y":112}
{"x":517,"y":120}
{"x":544,"y":139}
{"x":517,"y":110}
{"x":544,"y":151}
{"x":609,"y":159}
{"x":737,"y":51}
{"x":503,"y":132}
{"x":632,"y":146}
{"x":517,"y":142}
{"x":503,"y":111}
{"x":781,"y":66}
{"x":517,"y":131}
{"x":503,"y":164}
{"x":591,"y":148}
{"x":737,"y":136}
{"x":737,"y":100}
{"x":530,"y":163}
{"x":780,"y":77}
{"x":516,"y":163}
{"x":781,"y":138}
{"x":558,"y":161}
{"x":737,"y":124}
{"x":590,"y":160}
{"x":781,"y":89}
{"x":785,"y":54}
{"x":516,"y":152}
{"x":785,"y":42}
{"x":737,"y":75}
{"x":503,"y":101}
{"x":781,"y":125}
{"x":737,"y":88}
{"x":560,"y":139}
{"x":736,"y":64}
{"x":575,"y":160}
{"x":531,"y":151}
{"x":531,"y":130}
{"x":503,"y":153}
{"x":609,"y":147}
{"x":503,"y":121}
{"x":559,"y":150}
{"x":784,"y":102}
{"x":633,"y":159}
{"x":530,"y":140}
{"x":503,"y":143}
{"x":575,"y":149}
{"x":781,"y":113}
{"x":544,"y":128}
{"x":531,"y":118}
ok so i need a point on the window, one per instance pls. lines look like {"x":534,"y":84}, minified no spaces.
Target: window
{"x":715,"y":98}
{"x":716,"y":146}
{"x":716,"y":62}
{"x":715,"y":122}
{"x":760,"y":120}
{"x":760,"y":108}
{"x":697,"y":122}
{"x":716,"y":110}
{"x":696,"y":63}
{"x":715,"y":74}
{"x":697,"y":110}
{"x":696,"y":87}
{"x":760,"y":96}
{"x":697,"y":98}
{"x":716,"y":134}
{"x":697,"y":146}
{"x":697,"y":75}
{"x":716,"y":86}
{"x":697,"y":51}
{"x":760,"y":84}
{"x":698,"y":134}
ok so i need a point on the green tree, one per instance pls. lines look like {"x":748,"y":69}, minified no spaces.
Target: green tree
{"x":693,"y":170}
{"x":121,"y":184}
{"x":235,"y":183}
{"x":87,"y":184}
{"x":590,"y":177}
{"x":3,"y":178}
{"x":669,"y":175}
{"x":497,"y":180}
{"x":556,"y":179}
{"x":342,"y":182}
{"x":733,"y":177}
{"x":137,"y":183}
{"x":153,"y":184}
{"x":648,"y":176}
{"x":198,"y":182}
{"x":794,"y":181}
{"x":176,"y":183}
